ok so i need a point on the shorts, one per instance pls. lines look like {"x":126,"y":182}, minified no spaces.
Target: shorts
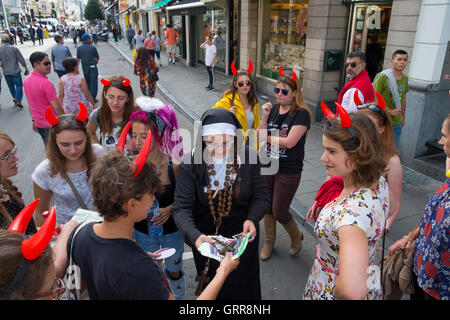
{"x":171,"y":48}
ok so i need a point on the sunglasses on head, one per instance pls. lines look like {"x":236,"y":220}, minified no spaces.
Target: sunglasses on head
{"x":285,"y":92}
{"x":351,"y":64}
{"x":241,"y":83}
{"x":373,"y":108}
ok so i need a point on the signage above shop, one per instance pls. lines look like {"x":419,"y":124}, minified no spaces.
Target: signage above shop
{"x":187,"y":7}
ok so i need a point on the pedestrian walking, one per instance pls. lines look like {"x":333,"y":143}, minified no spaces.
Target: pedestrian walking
{"x":95,"y":31}
{"x":89,"y":58}
{"x":115,"y":33}
{"x":149,"y":44}
{"x":431,"y":255}
{"x":41,"y":93}
{"x":62,"y":178}
{"x":130,"y":36}
{"x":284,"y":126}
{"x":40,"y":35}
{"x":171,"y":42}
{"x":349,"y":228}
{"x":241,"y":99}
{"x":59,"y":53}
{"x":73,"y":88}
{"x":138,"y":40}
{"x":166,"y":153}
{"x":46,"y":34}
{"x":210,"y":58}
{"x":13,"y":35}
{"x":358,"y":79}
{"x":11,"y":201}
{"x":20,"y":33}
{"x":32,"y":33}
{"x":74,"y":35}
{"x":10,"y":58}
{"x":157,"y":48}
{"x":227,"y":197}
{"x":393,"y":86}
{"x":114,"y":112}
{"x":146,"y":69}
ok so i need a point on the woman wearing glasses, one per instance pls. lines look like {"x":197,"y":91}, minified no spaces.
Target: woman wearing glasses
{"x":115,"y":110}
{"x":284,"y":125}
{"x":240,"y":98}
{"x":11,"y":202}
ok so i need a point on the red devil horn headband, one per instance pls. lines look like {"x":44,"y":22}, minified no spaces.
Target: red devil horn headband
{"x":343,"y":115}
{"x":356,"y":99}
{"x":82,"y":115}
{"x":294,"y":75}
{"x":125,"y":82}
{"x":235,"y":71}
{"x":33,"y":247}
{"x":140,"y":160}
{"x":380,"y":100}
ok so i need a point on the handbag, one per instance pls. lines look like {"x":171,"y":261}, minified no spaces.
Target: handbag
{"x":397,"y":271}
{"x":75,"y":191}
{"x":153,"y":75}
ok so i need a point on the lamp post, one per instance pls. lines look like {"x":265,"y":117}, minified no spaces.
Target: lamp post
{"x":4,"y":15}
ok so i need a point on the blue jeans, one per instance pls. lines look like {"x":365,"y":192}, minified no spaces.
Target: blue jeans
{"x":173,"y":263}
{"x":15,"y":86}
{"x":397,"y":128}
{"x":91,"y":76}
{"x":60,"y":73}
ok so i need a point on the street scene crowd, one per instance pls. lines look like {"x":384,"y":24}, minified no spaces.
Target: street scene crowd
{"x":116,"y":160}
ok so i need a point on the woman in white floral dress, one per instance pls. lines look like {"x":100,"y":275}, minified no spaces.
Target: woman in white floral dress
{"x":348,"y":229}
{"x":70,"y":153}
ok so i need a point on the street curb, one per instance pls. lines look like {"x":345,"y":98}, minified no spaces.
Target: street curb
{"x":297,"y":209}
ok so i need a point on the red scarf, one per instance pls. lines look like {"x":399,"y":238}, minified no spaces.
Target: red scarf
{"x":362,"y":83}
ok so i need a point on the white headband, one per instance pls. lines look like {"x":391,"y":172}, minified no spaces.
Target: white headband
{"x":218,"y":128}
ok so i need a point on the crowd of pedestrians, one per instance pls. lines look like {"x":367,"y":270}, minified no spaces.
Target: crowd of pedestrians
{"x":124,"y":160}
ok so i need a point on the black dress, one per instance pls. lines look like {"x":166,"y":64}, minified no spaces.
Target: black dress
{"x":13,"y":206}
{"x":193,"y":218}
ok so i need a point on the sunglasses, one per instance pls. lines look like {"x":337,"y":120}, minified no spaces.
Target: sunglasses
{"x":47,"y":63}
{"x":285,"y":92}
{"x":241,"y":83}
{"x":373,"y":108}
{"x":10,"y":156}
{"x":351,"y":64}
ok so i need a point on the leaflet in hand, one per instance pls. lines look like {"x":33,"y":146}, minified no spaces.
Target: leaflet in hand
{"x":82,"y":215}
{"x":218,"y":250}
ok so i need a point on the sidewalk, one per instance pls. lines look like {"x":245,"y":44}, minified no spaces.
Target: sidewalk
{"x":184,"y":87}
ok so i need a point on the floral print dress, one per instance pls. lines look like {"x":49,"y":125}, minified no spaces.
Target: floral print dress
{"x":148,"y":87}
{"x":363,"y":208}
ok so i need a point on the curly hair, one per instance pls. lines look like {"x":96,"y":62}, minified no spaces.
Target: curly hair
{"x":113,"y":184}
{"x":10,"y":257}
{"x":56,"y":158}
{"x":364,"y":149}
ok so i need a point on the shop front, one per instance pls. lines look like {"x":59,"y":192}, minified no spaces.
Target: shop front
{"x":369,"y":25}
{"x":282,"y":30}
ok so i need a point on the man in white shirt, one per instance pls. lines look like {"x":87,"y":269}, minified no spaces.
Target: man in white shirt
{"x":210,"y":58}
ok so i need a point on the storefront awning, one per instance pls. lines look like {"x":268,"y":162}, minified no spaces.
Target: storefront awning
{"x":158,"y":5}
{"x":187,"y":7}
{"x":128,"y":9}
{"x":114,"y":3}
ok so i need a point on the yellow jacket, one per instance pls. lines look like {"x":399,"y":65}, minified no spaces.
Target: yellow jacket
{"x":226,"y":103}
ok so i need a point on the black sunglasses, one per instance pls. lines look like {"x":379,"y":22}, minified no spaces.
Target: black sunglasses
{"x":373,"y":108}
{"x":351,"y":64}
{"x":47,"y":63}
{"x":241,"y":83}
{"x":285,"y":92}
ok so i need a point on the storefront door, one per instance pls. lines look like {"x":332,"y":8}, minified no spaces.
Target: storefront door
{"x":369,"y":31}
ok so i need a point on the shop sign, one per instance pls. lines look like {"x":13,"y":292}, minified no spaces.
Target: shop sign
{"x":123,"y":4}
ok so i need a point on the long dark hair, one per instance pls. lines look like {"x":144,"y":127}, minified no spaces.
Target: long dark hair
{"x":143,"y":59}
{"x":251,"y":96}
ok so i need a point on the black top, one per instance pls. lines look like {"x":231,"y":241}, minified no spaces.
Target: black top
{"x":291,"y":160}
{"x":13,"y":206}
{"x":165,"y":199}
{"x":116,"y":269}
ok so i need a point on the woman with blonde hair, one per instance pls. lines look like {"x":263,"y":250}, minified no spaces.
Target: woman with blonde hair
{"x":284,"y":126}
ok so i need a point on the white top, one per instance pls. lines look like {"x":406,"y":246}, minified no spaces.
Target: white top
{"x":63,"y":198}
{"x":347,"y":100}
{"x":210,"y":50}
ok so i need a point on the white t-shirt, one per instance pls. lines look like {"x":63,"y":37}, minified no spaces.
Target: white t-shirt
{"x":210,"y":50}
{"x":63,"y":198}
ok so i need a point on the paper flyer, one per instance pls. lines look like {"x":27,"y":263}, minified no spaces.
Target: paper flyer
{"x":218,"y":250}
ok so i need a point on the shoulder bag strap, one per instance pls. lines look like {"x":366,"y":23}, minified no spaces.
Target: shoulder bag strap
{"x":75,"y":191}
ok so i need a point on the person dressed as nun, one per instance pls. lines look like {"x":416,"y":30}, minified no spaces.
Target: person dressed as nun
{"x":223,"y":193}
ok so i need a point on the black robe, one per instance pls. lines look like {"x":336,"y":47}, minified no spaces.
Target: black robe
{"x":193,"y":218}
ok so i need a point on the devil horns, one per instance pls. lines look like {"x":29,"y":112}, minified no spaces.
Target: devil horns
{"x":82,"y":115}
{"x":294,"y":76}
{"x":125,"y":82}
{"x":381,"y":104}
{"x":344,"y":117}
{"x":140,"y":160}
{"x":235,"y":71}
{"x":33,"y":247}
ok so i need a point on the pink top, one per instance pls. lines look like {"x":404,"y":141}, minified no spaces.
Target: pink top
{"x":73,"y":94}
{"x":39,"y":91}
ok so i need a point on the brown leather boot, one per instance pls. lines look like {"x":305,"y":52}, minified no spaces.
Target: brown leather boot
{"x":270,"y":229}
{"x":296,"y":236}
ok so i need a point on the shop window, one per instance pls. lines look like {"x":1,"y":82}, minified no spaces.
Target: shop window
{"x":284,"y":38}
{"x":177,"y":24}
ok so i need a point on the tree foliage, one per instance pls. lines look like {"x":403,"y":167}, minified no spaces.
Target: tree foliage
{"x":93,"y":10}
